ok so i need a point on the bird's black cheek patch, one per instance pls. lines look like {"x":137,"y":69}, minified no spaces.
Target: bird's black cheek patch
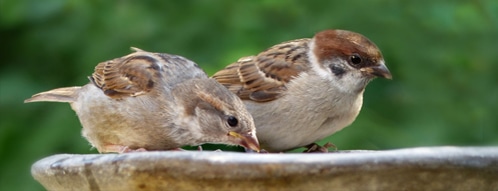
{"x":150,"y":84}
{"x":337,"y":70}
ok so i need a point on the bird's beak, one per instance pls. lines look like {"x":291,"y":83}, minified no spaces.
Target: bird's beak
{"x":249,"y":140}
{"x":379,"y":71}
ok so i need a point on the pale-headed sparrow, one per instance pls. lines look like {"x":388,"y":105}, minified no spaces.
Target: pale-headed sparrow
{"x":155,"y":101}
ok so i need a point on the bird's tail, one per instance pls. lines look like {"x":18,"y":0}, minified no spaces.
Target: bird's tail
{"x":68,"y":94}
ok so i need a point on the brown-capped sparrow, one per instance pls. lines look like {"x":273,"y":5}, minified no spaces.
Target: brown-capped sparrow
{"x":304,"y":90}
{"x":155,"y":101}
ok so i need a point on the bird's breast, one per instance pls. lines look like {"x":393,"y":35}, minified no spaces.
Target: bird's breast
{"x":309,"y":110}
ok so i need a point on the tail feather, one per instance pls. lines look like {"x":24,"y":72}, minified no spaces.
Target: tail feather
{"x":68,"y":94}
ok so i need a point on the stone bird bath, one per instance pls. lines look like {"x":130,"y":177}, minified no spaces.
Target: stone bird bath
{"x":431,"y":168}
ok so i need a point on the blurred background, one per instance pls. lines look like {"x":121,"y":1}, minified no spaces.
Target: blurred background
{"x":443,"y":56}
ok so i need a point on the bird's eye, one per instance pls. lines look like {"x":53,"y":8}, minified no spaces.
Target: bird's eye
{"x":355,"y":59}
{"x":232,"y":121}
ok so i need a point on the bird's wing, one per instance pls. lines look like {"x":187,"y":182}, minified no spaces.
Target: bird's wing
{"x":138,"y":73}
{"x":264,"y":77}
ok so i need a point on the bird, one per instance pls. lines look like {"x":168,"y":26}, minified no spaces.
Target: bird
{"x":148,"y":101}
{"x":301,"y":91}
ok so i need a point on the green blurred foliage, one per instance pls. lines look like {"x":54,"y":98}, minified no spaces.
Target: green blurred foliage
{"x":443,"y":56}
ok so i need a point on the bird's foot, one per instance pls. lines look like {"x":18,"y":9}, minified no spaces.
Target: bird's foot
{"x":253,"y":151}
{"x":315,"y":148}
{"x":121,"y":149}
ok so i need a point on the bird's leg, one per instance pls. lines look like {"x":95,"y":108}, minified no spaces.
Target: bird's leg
{"x":128,"y":150}
{"x":249,"y":150}
{"x":253,"y":151}
{"x":121,"y":149}
{"x":315,"y":148}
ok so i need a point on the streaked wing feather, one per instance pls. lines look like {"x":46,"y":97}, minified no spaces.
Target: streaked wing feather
{"x":131,"y":75}
{"x":264,"y":77}
{"x":229,"y":78}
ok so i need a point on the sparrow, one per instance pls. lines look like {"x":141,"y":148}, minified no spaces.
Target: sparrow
{"x":155,"y":101}
{"x":304,"y":90}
